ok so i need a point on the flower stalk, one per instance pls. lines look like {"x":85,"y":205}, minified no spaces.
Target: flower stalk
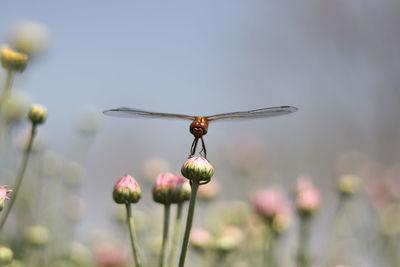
{"x":194,"y":186}
{"x":132,"y":235}
{"x":19,"y":177}
{"x":175,"y":235}
{"x":7,"y":88}
{"x":303,"y":255}
{"x":167,"y":209}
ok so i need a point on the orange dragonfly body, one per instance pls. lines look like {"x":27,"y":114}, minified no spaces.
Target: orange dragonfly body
{"x":199,"y":125}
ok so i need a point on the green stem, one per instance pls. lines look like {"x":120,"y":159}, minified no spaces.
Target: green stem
{"x":189,"y":221}
{"x":129,"y":220}
{"x":303,"y":257}
{"x":336,"y":231}
{"x":175,"y":235}
{"x":7,"y":88}
{"x":19,"y":177}
{"x":270,"y":241}
{"x":167,"y":209}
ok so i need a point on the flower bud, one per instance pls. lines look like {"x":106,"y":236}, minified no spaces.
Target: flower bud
{"x":268,"y":202}
{"x":16,"y":105}
{"x":37,"y":114}
{"x":170,"y":188}
{"x":308,"y":201}
{"x":126,"y":190}
{"x":13,"y":60}
{"x":200,"y":239}
{"x":282,"y":220}
{"x":3,"y":195}
{"x":6,"y":255}
{"x":36,"y":235}
{"x":348,"y":184}
{"x":209,"y":191}
{"x":197,"y":169}
{"x":30,"y":37}
{"x":229,"y":239}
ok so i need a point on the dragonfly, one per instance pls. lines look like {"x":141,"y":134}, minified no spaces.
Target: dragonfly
{"x":199,"y":126}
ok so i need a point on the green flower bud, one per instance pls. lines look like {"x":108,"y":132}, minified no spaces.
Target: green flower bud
{"x":348,"y":184}
{"x":197,"y":169}
{"x":13,"y":60}
{"x":37,"y":236}
{"x":37,"y":114}
{"x":6,"y":255}
{"x":170,"y":188}
{"x":126,"y":190}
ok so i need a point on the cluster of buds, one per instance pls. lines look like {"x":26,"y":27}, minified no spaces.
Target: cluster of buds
{"x":274,"y":208}
{"x":3,"y":195}
{"x":308,"y":197}
{"x":12,"y":59}
{"x":170,"y":189}
{"x":227,"y":240}
{"x":126,"y":190}
{"x":197,"y":169}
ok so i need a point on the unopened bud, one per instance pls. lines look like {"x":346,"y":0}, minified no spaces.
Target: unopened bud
{"x":170,"y":188}
{"x":37,"y":114}
{"x":348,"y":184}
{"x":200,"y":239}
{"x":13,"y":60}
{"x":6,"y":255}
{"x":197,"y":169}
{"x":308,"y":201}
{"x":126,"y":190}
{"x":36,"y":235}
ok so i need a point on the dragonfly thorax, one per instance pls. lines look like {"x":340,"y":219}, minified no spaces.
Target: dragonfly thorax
{"x":199,"y":127}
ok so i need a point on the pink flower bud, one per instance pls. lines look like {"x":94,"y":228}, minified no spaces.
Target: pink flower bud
{"x":3,"y":195}
{"x":171,"y":188}
{"x":268,"y":202}
{"x":209,"y":191}
{"x":197,"y":169}
{"x":126,"y":190}
{"x":273,"y":206}
{"x":308,"y":200}
{"x":200,"y":239}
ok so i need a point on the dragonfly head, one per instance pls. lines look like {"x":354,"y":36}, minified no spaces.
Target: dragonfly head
{"x":199,"y":127}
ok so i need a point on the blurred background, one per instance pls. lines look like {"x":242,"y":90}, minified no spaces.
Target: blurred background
{"x":337,"y":61}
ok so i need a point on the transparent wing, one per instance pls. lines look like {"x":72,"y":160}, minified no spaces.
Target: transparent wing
{"x":138,"y":113}
{"x":254,"y":114}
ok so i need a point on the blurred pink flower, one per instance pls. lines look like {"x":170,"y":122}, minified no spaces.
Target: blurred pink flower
{"x":4,"y":192}
{"x":109,"y":255}
{"x":200,"y":238}
{"x":308,"y":197}
{"x":268,"y":202}
{"x":3,"y":195}
{"x":303,"y":182}
{"x":209,"y":191}
{"x":383,"y":186}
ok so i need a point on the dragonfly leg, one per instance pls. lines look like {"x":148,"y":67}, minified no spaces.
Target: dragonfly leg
{"x":203,"y":147}
{"x":194,"y":145}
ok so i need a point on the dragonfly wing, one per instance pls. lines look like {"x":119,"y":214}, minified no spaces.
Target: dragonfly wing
{"x":254,"y":114}
{"x":138,"y":113}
